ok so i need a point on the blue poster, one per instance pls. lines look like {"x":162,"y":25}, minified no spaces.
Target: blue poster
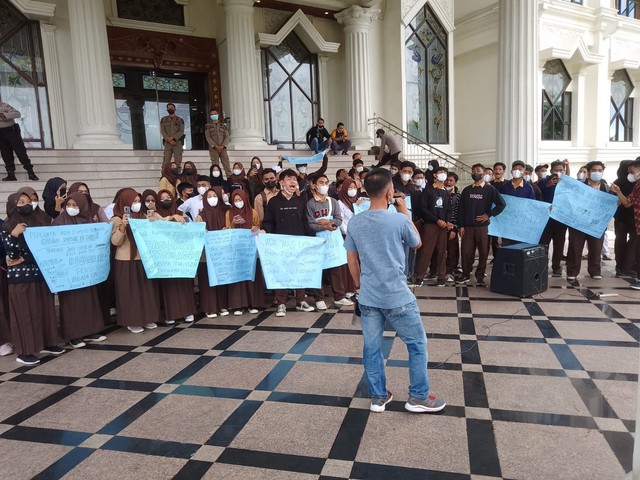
{"x":71,"y":256}
{"x":522,"y":220}
{"x":291,"y":261}
{"x":231,"y":256}
{"x":581,"y":207}
{"x":334,"y":254}
{"x":305,"y":160}
{"x":364,"y":206}
{"x":169,"y":249}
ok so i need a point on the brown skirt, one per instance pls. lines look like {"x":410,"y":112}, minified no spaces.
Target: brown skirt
{"x":32,"y":317}
{"x":248,"y":294}
{"x":177,"y":297}
{"x":80,"y":312}
{"x":212,"y":299}
{"x":5,"y":329}
{"x":137,"y":297}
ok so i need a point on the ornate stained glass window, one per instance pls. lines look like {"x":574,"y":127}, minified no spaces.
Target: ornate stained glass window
{"x":556,"y":101}
{"x":151,"y":82}
{"x":621,"y":120}
{"x":23,"y":84}
{"x":156,"y":11}
{"x":290,"y":73}
{"x":427,"y":82}
{"x":118,"y":80}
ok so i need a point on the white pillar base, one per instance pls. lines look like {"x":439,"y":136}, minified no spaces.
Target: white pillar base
{"x":250,"y":146}
{"x":100,"y":142}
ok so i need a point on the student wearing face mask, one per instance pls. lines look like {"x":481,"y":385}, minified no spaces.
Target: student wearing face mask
{"x":528,"y":177}
{"x":238,"y":178}
{"x":453,"y":242}
{"x":583,"y":174}
{"x":323,"y":213}
{"x":172,"y":131}
{"x":213,"y":300}
{"x":54,"y":194}
{"x":254,"y":177}
{"x":577,"y":239}
{"x":623,"y":225}
{"x":357,"y":169}
{"x":185,"y":192}
{"x":554,"y":231}
{"x":97,"y":212}
{"x":303,"y":175}
{"x":137,"y":297}
{"x":432,"y":165}
{"x":286,"y":214}
{"x":419,"y":180}
{"x":632,"y":201}
{"x":193,"y":205}
{"x":269,"y":191}
{"x":488,"y":175}
{"x":32,"y":312}
{"x":334,"y":187}
{"x":217,"y":135}
{"x":318,"y":137}
{"x":216,"y":178}
{"x":189,"y":173}
{"x":347,"y":198}
{"x":81,"y":312}
{"x":166,"y":207}
{"x":402,"y":180}
{"x":170,"y":176}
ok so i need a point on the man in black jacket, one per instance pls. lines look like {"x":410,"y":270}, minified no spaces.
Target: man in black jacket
{"x":475,"y":209}
{"x":318,"y":137}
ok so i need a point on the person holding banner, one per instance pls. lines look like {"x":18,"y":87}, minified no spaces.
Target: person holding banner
{"x":137,"y":297}
{"x":555,"y":231}
{"x":375,"y":245}
{"x":286,"y":214}
{"x":32,"y":312}
{"x":577,"y":239}
{"x":303,"y":175}
{"x":517,"y":187}
{"x":212,"y":299}
{"x":269,"y":191}
{"x":81,"y":313}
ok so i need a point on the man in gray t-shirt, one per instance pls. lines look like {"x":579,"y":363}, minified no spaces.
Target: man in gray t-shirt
{"x":375,"y":243}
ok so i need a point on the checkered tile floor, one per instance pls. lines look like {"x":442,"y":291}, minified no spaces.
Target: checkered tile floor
{"x":536,"y":388}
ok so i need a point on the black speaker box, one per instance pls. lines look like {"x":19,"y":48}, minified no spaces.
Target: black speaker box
{"x":520,"y":270}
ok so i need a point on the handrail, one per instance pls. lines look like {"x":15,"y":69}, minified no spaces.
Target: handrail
{"x":421,"y":145}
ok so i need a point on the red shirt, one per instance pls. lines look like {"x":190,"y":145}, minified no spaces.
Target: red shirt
{"x":634,"y":198}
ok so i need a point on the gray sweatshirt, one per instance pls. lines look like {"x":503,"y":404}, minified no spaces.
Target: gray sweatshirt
{"x":389,"y":141}
{"x":317,"y":210}
{"x":10,"y":114}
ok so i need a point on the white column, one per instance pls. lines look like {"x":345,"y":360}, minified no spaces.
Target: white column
{"x":54,"y":86}
{"x":518,"y":83}
{"x":357,"y":21}
{"x":323,"y":84}
{"x":92,"y":69}
{"x":245,"y":102}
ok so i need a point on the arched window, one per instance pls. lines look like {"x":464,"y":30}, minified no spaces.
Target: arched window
{"x":621,"y":120}
{"x":556,"y":102}
{"x":427,"y":83}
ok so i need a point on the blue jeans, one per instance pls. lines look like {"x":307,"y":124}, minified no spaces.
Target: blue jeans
{"x":407,"y":323}
{"x":317,"y":146}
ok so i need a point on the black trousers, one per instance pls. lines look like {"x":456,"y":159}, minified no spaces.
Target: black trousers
{"x":388,"y":158}
{"x":624,"y":245}
{"x":556,"y":232}
{"x":10,"y":143}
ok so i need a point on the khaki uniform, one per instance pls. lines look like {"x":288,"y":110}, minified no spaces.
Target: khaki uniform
{"x":172,"y":127}
{"x":217,"y":134}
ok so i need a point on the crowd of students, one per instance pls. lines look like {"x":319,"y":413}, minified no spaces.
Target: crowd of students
{"x":453,"y":226}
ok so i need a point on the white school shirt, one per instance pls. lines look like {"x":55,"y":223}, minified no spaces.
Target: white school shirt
{"x":192,"y":207}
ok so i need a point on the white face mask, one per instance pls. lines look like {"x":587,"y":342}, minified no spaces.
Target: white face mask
{"x":323,"y":189}
{"x":406,"y":177}
{"x":449,"y":189}
{"x":516,"y":173}
{"x":527,"y":178}
{"x":212,"y":201}
{"x":239,"y":204}
{"x":560,"y":174}
{"x":256,"y":166}
{"x":225,"y":198}
{"x":352,"y":192}
{"x":237,"y":171}
{"x":543,"y":174}
{"x":487,"y":178}
{"x":441,"y":177}
{"x":216,"y":173}
{"x":582,"y":176}
{"x":202,"y":190}
{"x":148,"y":204}
{"x":631,"y":178}
{"x":360,"y":169}
{"x":34,"y":205}
{"x":135,"y":207}
{"x":420,"y":182}
{"x":302,"y":170}
{"x":430,"y":168}
{"x":596,"y":176}
{"x":72,"y":212}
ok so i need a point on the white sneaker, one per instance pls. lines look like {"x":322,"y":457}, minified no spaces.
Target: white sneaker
{"x":224,"y":312}
{"x":320,"y":305}
{"x":112,"y":312}
{"x":238,"y":312}
{"x":349,"y":294}
{"x":305,"y":307}
{"x":345,"y":302}
{"x":211,"y":314}
{"x":188,"y":318}
{"x":571,"y":279}
{"x":253,"y":311}
{"x":6,"y":349}
{"x":449,"y":278}
{"x":150,"y":326}
{"x":282,"y":310}
{"x":136,"y":329}
{"x":169,"y":322}
{"x":597,"y":277}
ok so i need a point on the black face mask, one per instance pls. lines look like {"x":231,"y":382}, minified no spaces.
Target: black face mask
{"x":166,"y":204}
{"x":477,"y":176}
{"x":170,"y":111}
{"x":25,"y":209}
{"x":187,"y":171}
{"x":271,"y":184}
{"x":174,"y":171}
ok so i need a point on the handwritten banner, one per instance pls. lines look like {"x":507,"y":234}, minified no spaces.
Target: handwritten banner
{"x":364,"y":206}
{"x":169,"y":249}
{"x":334,"y":254}
{"x":291,"y":261}
{"x":581,"y":207}
{"x":71,"y":256}
{"x":231,"y":256}
{"x":305,"y":160}
{"x":522,"y":220}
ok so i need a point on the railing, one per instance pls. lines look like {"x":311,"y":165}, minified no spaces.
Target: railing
{"x":420,"y":152}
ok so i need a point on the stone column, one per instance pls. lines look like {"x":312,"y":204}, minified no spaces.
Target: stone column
{"x":245,"y":101}
{"x":92,"y":68}
{"x":519,"y":101}
{"x":54,"y":86}
{"x":357,"y":21}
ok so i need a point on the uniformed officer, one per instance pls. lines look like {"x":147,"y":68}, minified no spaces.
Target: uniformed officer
{"x":172,"y":131}
{"x":11,"y":141}
{"x":217,"y":135}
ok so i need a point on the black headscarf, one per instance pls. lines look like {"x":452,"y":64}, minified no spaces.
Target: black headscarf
{"x":49,"y":195}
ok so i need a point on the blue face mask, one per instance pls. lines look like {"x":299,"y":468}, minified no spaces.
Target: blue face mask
{"x":214,"y":118}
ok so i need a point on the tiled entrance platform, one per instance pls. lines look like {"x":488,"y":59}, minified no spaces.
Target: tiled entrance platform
{"x":541,"y":388}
